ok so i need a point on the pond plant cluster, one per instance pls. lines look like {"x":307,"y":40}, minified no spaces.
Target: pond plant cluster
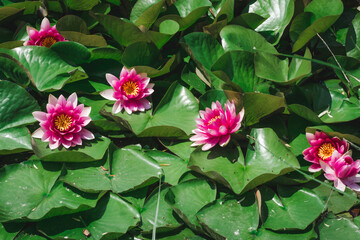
{"x":179,"y":119}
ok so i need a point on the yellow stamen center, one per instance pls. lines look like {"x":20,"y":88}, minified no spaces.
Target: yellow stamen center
{"x":131,"y":88}
{"x":63,"y":122}
{"x":213,"y":120}
{"x":48,"y":42}
{"x":326,"y":150}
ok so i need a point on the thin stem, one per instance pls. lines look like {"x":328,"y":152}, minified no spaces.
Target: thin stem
{"x":327,"y":202}
{"x":337,"y":62}
{"x":157,"y":210}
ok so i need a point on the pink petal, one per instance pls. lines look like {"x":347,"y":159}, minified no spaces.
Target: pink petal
{"x":315,"y":168}
{"x":224,"y":140}
{"x":85,"y":112}
{"x":108,"y":94}
{"x":40,"y":116}
{"x":310,"y":137}
{"x":331,"y":177}
{"x":62,"y":101}
{"x":351,"y":184}
{"x":32,"y":32}
{"x":111,"y":79}
{"x":68,"y":137}
{"x":54,"y":145}
{"x":326,"y":168}
{"x":86,"y":134}
{"x":65,"y":143}
{"x":124,"y":72}
{"x":73,"y":99}
{"x":38,"y":133}
{"x":127,"y":109}
{"x":211,"y":143}
{"x":45,"y":25}
{"x":117,"y":107}
{"x":146,"y":104}
{"x":339,"y":185}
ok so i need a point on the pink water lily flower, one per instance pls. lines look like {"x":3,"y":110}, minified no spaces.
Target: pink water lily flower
{"x":322,"y":148}
{"x":63,"y":123}
{"x":129,"y":92}
{"x":343,"y":170}
{"x":46,"y":37}
{"x":216,"y":125}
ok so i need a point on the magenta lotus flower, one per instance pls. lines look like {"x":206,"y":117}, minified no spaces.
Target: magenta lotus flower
{"x":216,"y":125}
{"x":343,"y":170}
{"x":46,"y":37}
{"x":322,"y":148}
{"x":129,"y":91}
{"x":64,"y":122}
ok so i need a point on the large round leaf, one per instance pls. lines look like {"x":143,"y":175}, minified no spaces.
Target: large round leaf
{"x":173,"y":166}
{"x":285,"y":210}
{"x":260,"y":105}
{"x":81,"y":5}
{"x":119,"y":172}
{"x":239,"y":38}
{"x":12,"y":69}
{"x":224,"y":165}
{"x":318,"y":16}
{"x":126,"y":33}
{"x":111,"y":218}
{"x":145,"y":12}
{"x":189,"y":12}
{"x":25,"y":185}
{"x":48,"y":70}
{"x":278,"y":15}
{"x":16,"y":106}
{"x":238,"y":67}
{"x":270,"y":67}
{"x":336,"y":202}
{"x":353,"y":39}
{"x":125,"y":170}
{"x":228,"y":167}
{"x":173,"y":117}
{"x":72,"y":52}
{"x":231,"y":219}
{"x":203,"y":48}
{"x":15,"y":140}
{"x":189,"y":197}
{"x":165,"y":218}
{"x":89,"y":151}
{"x":329,"y":228}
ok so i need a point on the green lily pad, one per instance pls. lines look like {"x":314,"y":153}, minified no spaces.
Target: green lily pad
{"x":187,"y":198}
{"x":81,"y":5}
{"x":317,"y":17}
{"x":110,"y":219}
{"x":274,"y":25}
{"x":119,"y":172}
{"x":329,"y":228}
{"x":228,"y":167}
{"x":240,"y":38}
{"x":145,"y":12}
{"x":165,"y":220}
{"x":231,"y":219}
{"x":90,"y":151}
{"x":16,"y":107}
{"x":285,"y":210}
{"x":15,"y":140}
{"x":48,"y":70}
{"x":178,"y":102}
{"x":41,"y":197}
{"x":173,"y":166}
